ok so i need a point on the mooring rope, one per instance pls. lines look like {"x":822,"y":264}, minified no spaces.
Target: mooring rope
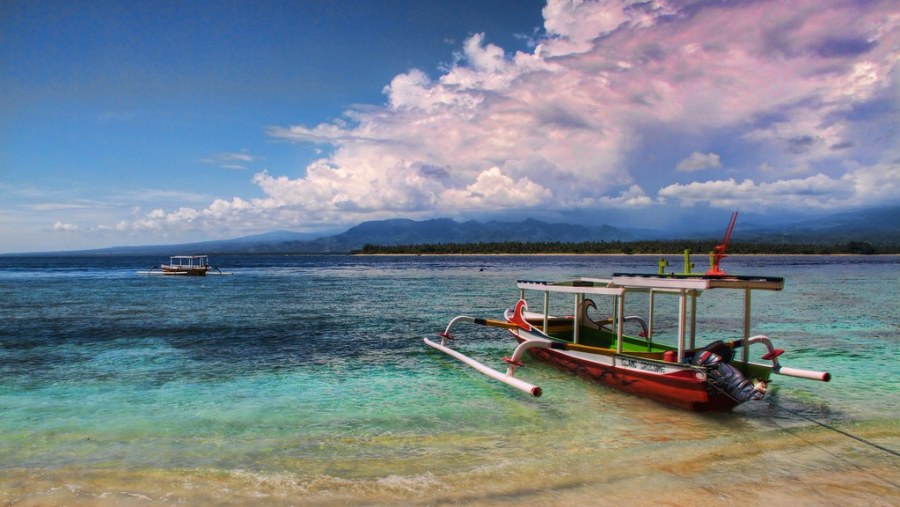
{"x":810,"y":419}
{"x":836,"y":430}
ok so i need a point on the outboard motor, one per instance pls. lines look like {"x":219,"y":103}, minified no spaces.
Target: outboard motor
{"x":725,"y":377}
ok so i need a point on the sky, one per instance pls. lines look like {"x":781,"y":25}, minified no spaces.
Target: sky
{"x":156,"y":122}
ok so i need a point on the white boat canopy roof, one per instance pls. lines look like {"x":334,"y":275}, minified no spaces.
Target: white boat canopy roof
{"x":670,"y":281}
{"x":687,"y":287}
{"x":621,"y":282}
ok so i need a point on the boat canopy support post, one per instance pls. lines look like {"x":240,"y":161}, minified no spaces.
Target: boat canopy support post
{"x":620,"y":320}
{"x":576,"y":336}
{"x":693,"y":319}
{"x":682,"y":308}
{"x":546,"y":311}
{"x":745,"y":354}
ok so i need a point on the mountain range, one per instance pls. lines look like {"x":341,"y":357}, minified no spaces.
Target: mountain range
{"x":879,"y":226}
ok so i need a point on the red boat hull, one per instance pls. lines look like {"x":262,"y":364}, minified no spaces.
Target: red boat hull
{"x":681,"y":389}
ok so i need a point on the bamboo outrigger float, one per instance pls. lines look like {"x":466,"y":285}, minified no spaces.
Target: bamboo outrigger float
{"x":705,"y":378}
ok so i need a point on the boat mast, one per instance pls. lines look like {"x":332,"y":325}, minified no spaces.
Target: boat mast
{"x":719,"y":252}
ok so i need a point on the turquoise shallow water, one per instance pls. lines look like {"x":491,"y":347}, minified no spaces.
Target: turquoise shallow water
{"x":304,"y":379}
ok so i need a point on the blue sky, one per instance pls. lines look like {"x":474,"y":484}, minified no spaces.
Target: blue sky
{"x":163,"y":122}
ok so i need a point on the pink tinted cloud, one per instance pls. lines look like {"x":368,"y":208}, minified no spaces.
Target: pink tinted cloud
{"x":560,"y":127}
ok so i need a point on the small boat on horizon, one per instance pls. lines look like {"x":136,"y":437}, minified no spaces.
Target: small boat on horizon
{"x":185,"y":265}
{"x":713,"y":377}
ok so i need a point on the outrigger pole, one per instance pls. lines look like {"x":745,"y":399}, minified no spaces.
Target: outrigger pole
{"x":514,"y":361}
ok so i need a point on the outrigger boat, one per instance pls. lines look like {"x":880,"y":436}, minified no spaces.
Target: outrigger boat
{"x":706,"y":378}
{"x":185,"y":265}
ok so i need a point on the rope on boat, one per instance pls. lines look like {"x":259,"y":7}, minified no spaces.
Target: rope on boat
{"x":836,"y":430}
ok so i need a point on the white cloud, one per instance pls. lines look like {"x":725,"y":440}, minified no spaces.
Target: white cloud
{"x":632,"y":197}
{"x":874,"y":184}
{"x":64,"y":227}
{"x":568,"y":124}
{"x":60,"y":226}
{"x":232,"y":160}
{"x":576,"y":25}
{"x":492,"y":189}
{"x":859,"y":186}
{"x":63,"y":206}
{"x":698,"y":162}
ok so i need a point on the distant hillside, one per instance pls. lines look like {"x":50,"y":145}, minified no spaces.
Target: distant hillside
{"x":444,"y":230}
{"x":270,"y":242}
{"x":879,"y":227}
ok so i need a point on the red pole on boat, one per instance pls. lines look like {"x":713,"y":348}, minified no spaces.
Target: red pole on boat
{"x":719,"y":252}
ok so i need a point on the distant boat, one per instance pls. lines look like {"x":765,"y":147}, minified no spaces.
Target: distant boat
{"x":185,"y":265}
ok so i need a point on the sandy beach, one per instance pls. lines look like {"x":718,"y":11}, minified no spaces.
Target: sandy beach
{"x":803,"y":465}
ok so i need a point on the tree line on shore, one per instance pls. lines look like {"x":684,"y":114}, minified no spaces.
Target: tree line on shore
{"x":627,"y":248}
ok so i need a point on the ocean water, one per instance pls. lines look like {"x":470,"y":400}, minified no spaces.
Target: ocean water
{"x":303,"y":380}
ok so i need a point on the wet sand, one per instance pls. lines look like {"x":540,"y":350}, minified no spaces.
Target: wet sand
{"x":797,"y":466}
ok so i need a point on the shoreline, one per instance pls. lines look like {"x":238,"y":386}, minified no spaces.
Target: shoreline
{"x":66,"y":255}
{"x":778,"y":467}
{"x":606,"y":255}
